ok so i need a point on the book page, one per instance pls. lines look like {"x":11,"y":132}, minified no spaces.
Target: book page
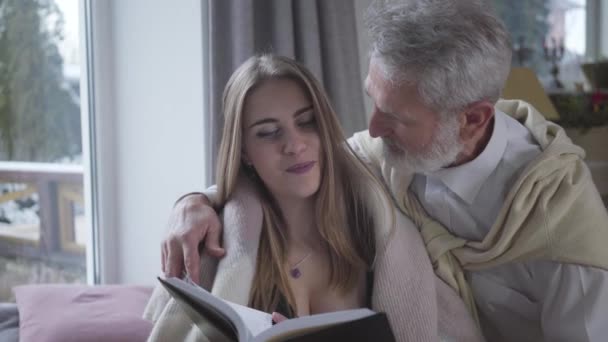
{"x":302,"y":325}
{"x":255,"y":320}
{"x":245,"y":322}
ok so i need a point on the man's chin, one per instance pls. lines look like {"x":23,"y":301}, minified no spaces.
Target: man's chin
{"x":398,"y":159}
{"x":403,"y":161}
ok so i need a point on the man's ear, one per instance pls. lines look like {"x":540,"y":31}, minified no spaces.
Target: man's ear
{"x":474,"y":120}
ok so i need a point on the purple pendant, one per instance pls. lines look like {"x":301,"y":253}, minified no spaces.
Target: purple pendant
{"x":295,"y":273}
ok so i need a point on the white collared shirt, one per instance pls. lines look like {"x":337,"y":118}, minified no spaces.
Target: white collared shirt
{"x":529,"y":301}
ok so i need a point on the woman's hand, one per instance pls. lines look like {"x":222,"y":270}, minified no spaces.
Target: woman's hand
{"x":278,"y":318}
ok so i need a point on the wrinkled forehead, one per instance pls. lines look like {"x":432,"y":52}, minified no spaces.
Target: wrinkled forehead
{"x":387,"y":96}
{"x":378,"y":87}
{"x":402,"y":99}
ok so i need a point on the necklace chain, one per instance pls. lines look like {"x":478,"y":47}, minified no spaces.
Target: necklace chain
{"x":294,"y":270}
{"x":301,"y":260}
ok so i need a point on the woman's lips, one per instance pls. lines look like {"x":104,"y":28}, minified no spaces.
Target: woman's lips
{"x":301,"y":167}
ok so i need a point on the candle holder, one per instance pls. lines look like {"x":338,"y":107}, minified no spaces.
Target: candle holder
{"x":554,"y":54}
{"x":523,"y":53}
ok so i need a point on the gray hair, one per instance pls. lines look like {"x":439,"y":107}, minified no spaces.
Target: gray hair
{"x":456,"y":51}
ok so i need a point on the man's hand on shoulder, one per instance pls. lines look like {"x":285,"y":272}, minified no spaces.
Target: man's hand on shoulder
{"x":192,"y":221}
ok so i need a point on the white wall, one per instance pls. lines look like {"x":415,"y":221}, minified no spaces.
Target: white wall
{"x":150,"y":126}
{"x":603,"y":27}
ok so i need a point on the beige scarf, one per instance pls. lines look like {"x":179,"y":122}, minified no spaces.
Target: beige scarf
{"x":552,"y":212}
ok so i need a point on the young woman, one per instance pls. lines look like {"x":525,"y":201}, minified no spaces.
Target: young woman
{"x":327,"y":237}
{"x":317,"y":243}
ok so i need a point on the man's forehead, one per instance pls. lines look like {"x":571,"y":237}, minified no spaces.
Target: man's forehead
{"x":372,"y":87}
{"x":372,"y":76}
{"x":366,"y":83}
{"x":391,"y":99}
{"x":379,"y":92}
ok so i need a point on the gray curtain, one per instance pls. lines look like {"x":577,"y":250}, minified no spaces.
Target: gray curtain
{"x":321,"y":34}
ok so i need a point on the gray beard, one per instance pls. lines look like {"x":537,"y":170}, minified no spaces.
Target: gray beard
{"x":442,"y":152}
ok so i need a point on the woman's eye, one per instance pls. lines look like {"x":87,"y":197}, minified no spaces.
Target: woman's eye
{"x":268,"y":134}
{"x":307,"y":123}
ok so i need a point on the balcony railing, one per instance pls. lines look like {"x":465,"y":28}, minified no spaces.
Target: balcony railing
{"x":52,"y":195}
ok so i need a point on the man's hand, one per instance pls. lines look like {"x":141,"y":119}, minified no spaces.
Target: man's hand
{"x":192,"y":220}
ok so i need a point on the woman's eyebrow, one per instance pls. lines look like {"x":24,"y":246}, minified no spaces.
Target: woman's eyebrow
{"x":263,"y":121}
{"x":271,"y":120}
{"x":302,"y":110}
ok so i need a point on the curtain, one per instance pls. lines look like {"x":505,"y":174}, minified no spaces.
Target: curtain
{"x":320,"y":34}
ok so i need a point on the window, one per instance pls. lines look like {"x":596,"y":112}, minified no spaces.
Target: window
{"x":44,"y":235}
{"x":547,"y":33}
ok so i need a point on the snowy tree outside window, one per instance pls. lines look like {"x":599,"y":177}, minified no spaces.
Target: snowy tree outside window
{"x":42,"y":231}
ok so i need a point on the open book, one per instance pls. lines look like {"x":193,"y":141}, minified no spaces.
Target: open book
{"x":222,"y":320}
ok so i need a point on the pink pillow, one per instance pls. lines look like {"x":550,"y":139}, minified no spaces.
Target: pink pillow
{"x":49,"y":313}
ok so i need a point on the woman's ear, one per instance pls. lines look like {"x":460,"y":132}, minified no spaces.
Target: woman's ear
{"x":245,"y":159}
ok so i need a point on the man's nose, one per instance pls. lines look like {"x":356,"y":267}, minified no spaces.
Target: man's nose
{"x":379,"y":126}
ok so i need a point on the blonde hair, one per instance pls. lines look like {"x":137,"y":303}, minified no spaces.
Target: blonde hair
{"x":344,"y":223}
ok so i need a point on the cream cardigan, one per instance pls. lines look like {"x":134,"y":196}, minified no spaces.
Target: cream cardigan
{"x":552,"y":212}
{"x":419,"y":306}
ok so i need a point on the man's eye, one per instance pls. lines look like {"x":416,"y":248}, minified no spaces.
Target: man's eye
{"x":389,"y":115}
